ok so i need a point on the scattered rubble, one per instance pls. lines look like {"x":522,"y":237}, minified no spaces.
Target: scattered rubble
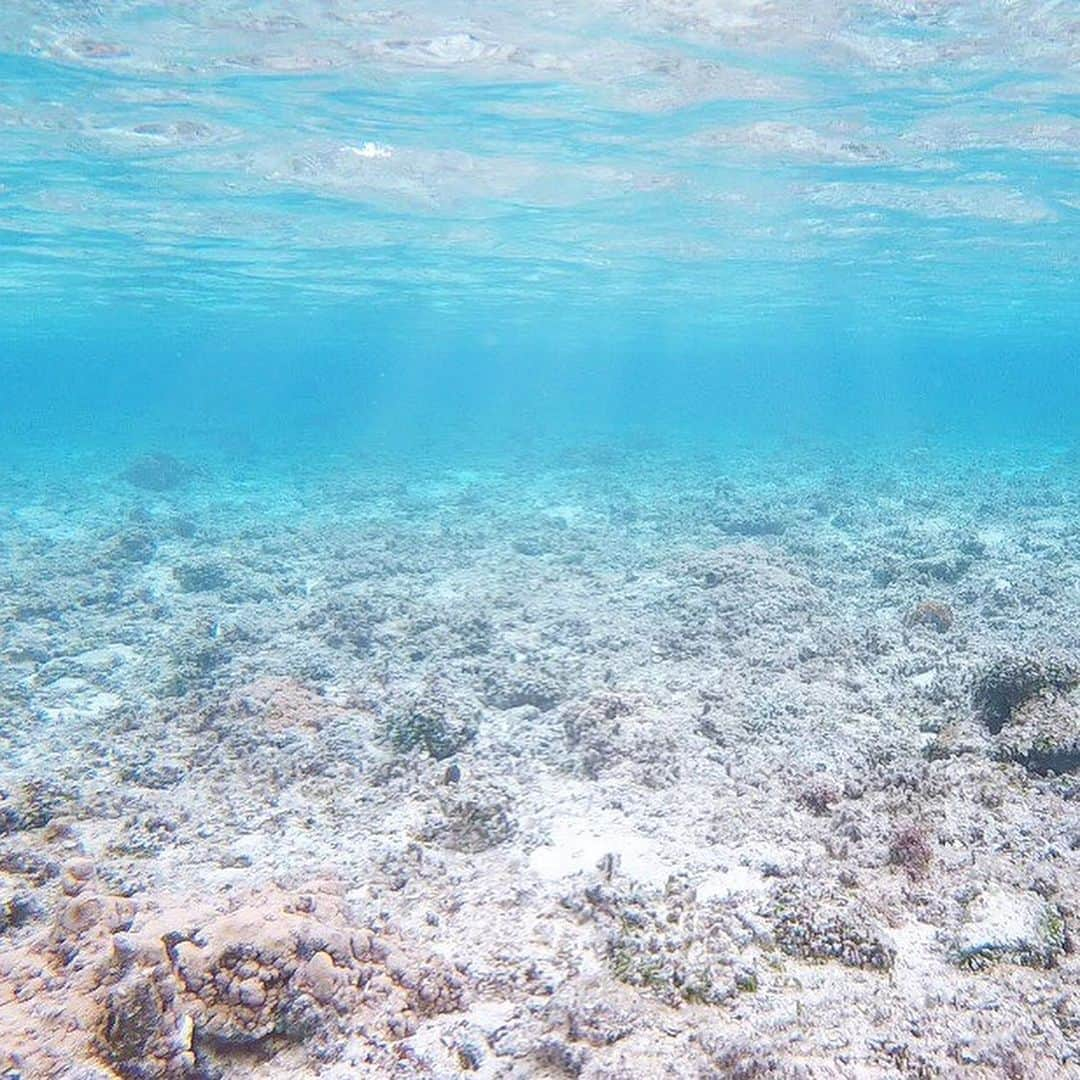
{"x":610,"y":765}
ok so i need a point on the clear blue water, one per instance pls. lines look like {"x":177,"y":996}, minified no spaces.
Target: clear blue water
{"x":328,"y":223}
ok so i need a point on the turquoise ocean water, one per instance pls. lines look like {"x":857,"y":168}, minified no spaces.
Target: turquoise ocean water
{"x":286,"y":225}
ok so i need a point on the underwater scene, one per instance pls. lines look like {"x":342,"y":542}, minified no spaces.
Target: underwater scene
{"x":540,"y":540}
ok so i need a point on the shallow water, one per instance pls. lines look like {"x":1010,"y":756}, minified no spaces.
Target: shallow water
{"x":539,"y":540}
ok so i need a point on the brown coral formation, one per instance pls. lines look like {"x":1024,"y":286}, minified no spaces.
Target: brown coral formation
{"x":184,"y":991}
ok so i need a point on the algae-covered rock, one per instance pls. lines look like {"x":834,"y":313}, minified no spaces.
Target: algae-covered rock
{"x":673,"y":945}
{"x":133,"y":1018}
{"x":1045,"y":735}
{"x":1009,"y":683}
{"x":515,"y":687}
{"x":473,"y":820}
{"x":931,"y":614}
{"x":1032,"y":707}
{"x":202,"y":577}
{"x":1009,"y":926}
{"x":431,"y":723}
{"x":832,"y":928}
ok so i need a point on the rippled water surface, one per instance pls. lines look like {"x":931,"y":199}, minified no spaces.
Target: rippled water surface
{"x":648,"y":180}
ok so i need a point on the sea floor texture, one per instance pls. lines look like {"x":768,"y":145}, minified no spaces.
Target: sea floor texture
{"x":604,"y":763}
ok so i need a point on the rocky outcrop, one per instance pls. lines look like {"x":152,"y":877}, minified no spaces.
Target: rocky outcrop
{"x":182,"y":990}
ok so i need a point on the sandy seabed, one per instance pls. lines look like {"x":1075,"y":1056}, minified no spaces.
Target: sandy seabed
{"x":612,"y":763}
